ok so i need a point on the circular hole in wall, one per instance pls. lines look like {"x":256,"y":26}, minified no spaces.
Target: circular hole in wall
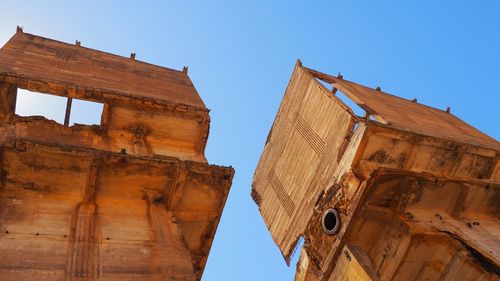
{"x":331,"y":221}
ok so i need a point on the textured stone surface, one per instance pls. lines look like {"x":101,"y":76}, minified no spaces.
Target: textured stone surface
{"x":417,"y":189}
{"x":131,"y":198}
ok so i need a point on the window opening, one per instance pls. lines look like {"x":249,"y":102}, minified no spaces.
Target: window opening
{"x":85,"y":112}
{"x":352,"y":105}
{"x":63,"y":110}
{"x":30,"y":103}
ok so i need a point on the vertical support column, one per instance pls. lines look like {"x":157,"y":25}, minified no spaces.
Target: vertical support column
{"x":68,"y":111}
{"x":167,"y":236}
{"x":105,"y":117}
{"x":8,"y":95}
{"x":166,"y":239}
{"x":157,"y":216}
{"x":2,"y":174}
{"x":83,"y":256}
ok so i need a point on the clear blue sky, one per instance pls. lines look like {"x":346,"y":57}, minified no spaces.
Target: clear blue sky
{"x":241,"y":54}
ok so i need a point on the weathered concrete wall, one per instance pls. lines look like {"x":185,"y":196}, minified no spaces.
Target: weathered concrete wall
{"x":413,"y":202}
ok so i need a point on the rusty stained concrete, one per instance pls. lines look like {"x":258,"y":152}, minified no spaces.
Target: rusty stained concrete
{"x":416,"y":188}
{"x":132,"y":197}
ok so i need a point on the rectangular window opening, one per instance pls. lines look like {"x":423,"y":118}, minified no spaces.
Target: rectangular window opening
{"x":30,"y":103}
{"x":85,"y":112}
{"x":53,"y":107}
{"x":324,"y":83}
{"x":351,"y":104}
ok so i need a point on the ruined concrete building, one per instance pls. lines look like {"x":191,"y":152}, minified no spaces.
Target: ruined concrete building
{"x":403,"y":192}
{"x":131,"y":198}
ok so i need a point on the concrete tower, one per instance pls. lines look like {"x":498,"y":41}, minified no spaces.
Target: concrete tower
{"x":131,"y":198}
{"x":399,"y":191}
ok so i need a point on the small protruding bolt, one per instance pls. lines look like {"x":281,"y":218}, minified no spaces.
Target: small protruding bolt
{"x":185,"y":69}
{"x":340,"y":76}
{"x":378,"y":89}
{"x":132,"y":56}
{"x":19,"y":29}
{"x":78,"y":43}
{"x":414,"y":100}
{"x":448,"y":109}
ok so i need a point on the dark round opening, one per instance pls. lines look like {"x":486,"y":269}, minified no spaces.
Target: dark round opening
{"x":331,"y":221}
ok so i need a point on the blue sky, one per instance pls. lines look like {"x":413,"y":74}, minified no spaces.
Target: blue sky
{"x":241,"y":54}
